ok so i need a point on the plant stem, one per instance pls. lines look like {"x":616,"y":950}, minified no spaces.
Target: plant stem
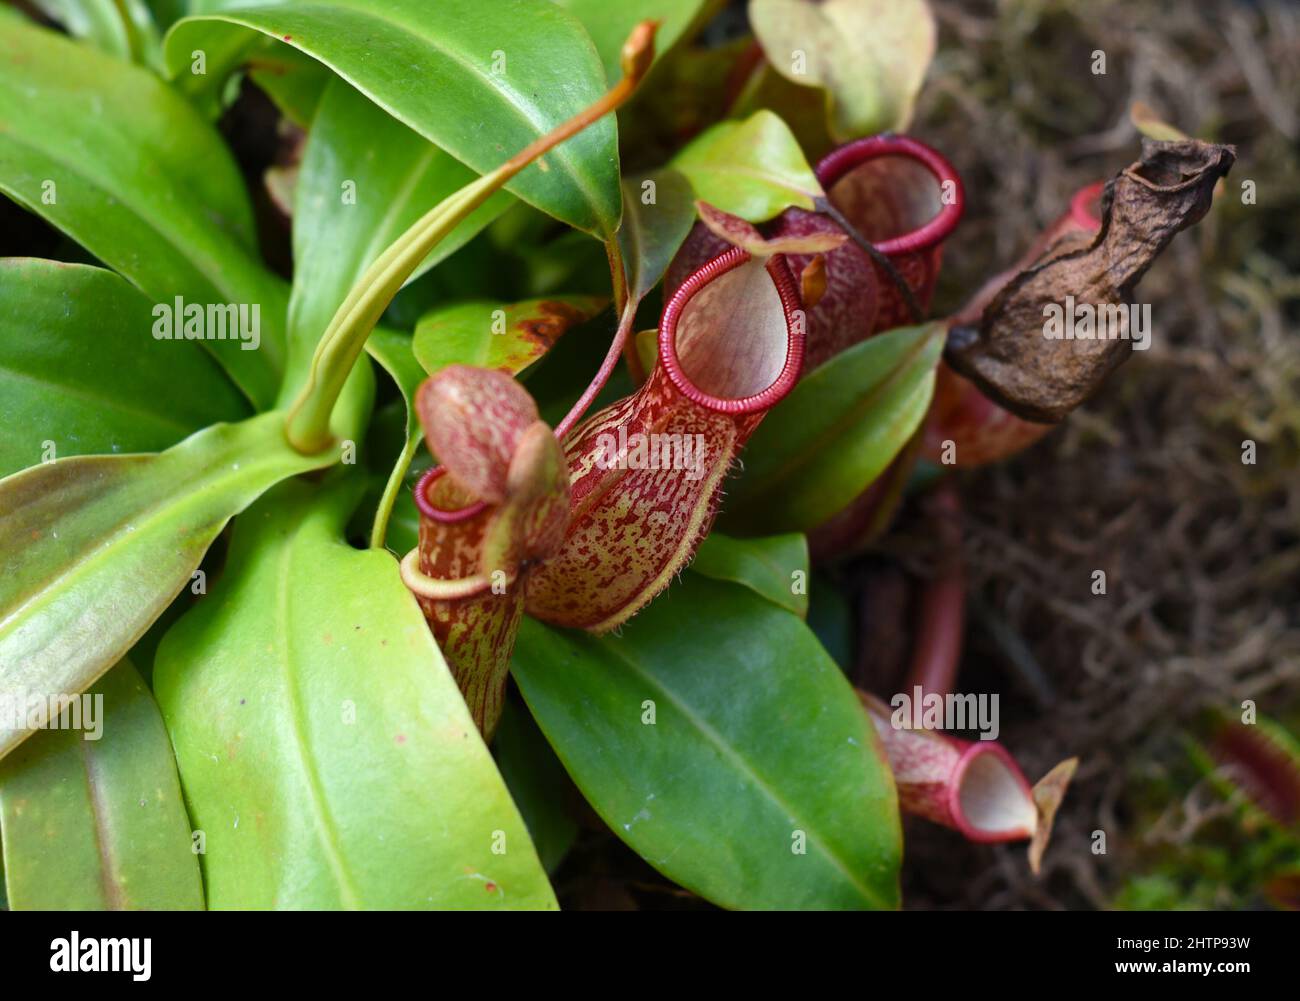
{"x":384,"y":512}
{"x":622,"y":293}
{"x":307,"y":424}
{"x":602,"y":376}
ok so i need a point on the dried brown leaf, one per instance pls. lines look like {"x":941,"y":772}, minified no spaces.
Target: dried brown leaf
{"x":1009,"y":355}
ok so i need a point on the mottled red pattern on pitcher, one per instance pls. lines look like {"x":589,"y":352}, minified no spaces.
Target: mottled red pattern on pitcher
{"x":933,"y":773}
{"x":634,"y":529}
{"x":476,"y":635}
{"x":912,"y":209}
{"x":497,"y":504}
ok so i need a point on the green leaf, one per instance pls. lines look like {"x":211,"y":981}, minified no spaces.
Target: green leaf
{"x":97,"y":822}
{"x":684,"y":96}
{"x":62,"y":328}
{"x":498,"y":335}
{"x":365,"y":179}
{"x":293,"y":81}
{"x":208,"y":74}
{"x":753,"y":169}
{"x":481,"y":79}
{"x":537,"y":783}
{"x":653,"y":231}
{"x":870,"y":55}
{"x":825,"y":443}
{"x":758,"y":743}
{"x":143,"y":183}
{"x":122,"y":28}
{"x":609,"y":24}
{"x":93,"y":548}
{"x":323,"y":746}
{"x":775,"y":567}
{"x":394,"y":352}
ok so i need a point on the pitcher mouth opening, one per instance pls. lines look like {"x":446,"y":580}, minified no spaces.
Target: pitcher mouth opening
{"x":901,"y":194}
{"x":440,"y":515}
{"x":989,"y":798}
{"x":732,"y":336}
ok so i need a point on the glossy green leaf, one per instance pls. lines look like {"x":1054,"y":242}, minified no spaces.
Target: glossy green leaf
{"x":122,"y":28}
{"x":93,"y":548}
{"x":498,"y":335}
{"x":207,"y":71}
{"x":775,"y":566}
{"x":479,"y":78}
{"x":752,"y":168}
{"x":537,"y":783}
{"x":658,"y":213}
{"x":365,"y":179}
{"x":117,"y":160}
{"x":757,"y":746}
{"x":609,"y":24}
{"x":92,"y":818}
{"x":395,"y":353}
{"x":825,"y":443}
{"x":294,"y":82}
{"x":62,"y":328}
{"x":323,"y":746}
{"x":871,"y":56}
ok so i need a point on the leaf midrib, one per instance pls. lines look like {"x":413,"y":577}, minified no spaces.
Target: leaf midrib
{"x":327,"y":831}
{"x":113,"y":896}
{"x":380,"y":236}
{"x":729,"y":753}
{"x":113,"y":403}
{"x":111,"y":539}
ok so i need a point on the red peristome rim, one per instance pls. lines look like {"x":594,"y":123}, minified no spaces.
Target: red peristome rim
{"x":436,"y":513}
{"x":973,"y":751}
{"x":1081,"y":206}
{"x":791,"y":304}
{"x":839,"y":162}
